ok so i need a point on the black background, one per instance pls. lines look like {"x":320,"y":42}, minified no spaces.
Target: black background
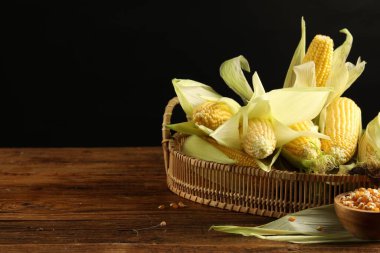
{"x":99,"y":74}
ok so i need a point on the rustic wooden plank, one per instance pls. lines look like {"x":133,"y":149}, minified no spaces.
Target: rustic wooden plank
{"x":158,"y":247}
{"x":92,"y":199}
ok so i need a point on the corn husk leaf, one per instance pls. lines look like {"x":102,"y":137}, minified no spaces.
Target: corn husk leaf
{"x":259,"y":108}
{"x":343,"y":74}
{"x":187,"y":128}
{"x":232,"y":73}
{"x":305,"y":75}
{"x":374,"y":132}
{"x":191,"y":94}
{"x":341,"y":53}
{"x":338,"y":82}
{"x":244,"y":121}
{"x":292,"y":105}
{"x":257,"y":86}
{"x":371,"y":137}
{"x":266,"y":164}
{"x":297,"y":57}
{"x":344,"y":169}
{"x":199,"y":148}
{"x":339,"y":73}
{"x":205,"y":129}
{"x":285,"y":134}
{"x":354,"y":71}
{"x":314,"y":225}
{"x":228,"y":133}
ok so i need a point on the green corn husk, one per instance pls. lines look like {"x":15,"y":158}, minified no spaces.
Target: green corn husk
{"x":297,"y":57}
{"x":199,"y":148}
{"x":314,"y":225}
{"x":369,"y":145}
{"x":232,"y":73}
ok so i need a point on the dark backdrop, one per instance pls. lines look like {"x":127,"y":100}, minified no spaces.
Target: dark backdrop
{"x":99,"y":74}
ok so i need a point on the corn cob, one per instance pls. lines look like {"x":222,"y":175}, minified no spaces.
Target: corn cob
{"x":240,"y":157}
{"x":211,"y":114}
{"x":260,"y":140}
{"x":305,"y":153}
{"x":343,"y":126}
{"x":304,"y":147}
{"x":321,"y":52}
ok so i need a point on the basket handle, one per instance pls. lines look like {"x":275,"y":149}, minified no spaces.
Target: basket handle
{"x":166,"y":136}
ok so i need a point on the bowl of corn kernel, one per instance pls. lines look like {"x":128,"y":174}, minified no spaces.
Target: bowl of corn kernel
{"x":359,"y":212}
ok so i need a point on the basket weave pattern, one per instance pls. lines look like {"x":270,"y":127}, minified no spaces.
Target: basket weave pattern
{"x":247,"y":189}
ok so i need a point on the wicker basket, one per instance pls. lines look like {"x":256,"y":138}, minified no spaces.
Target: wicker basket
{"x":247,"y":189}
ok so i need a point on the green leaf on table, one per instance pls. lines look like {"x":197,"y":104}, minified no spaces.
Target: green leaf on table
{"x":314,"y":225}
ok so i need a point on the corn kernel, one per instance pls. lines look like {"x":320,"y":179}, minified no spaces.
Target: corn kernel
{"x":365,"y":199}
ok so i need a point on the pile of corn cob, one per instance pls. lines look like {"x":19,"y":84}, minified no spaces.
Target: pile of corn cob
{"x":306,"y":122}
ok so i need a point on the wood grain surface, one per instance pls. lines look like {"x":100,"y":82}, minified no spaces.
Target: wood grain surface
{"x":106,"y":200}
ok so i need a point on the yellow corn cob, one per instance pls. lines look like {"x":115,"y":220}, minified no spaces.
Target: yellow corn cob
{"x":240,"y":157}
{"x":343,"y":126}
{"x":211,"y":114}
{"x":260,"y":141}
{"x":321,"y":52}
{"x":304,"y":147}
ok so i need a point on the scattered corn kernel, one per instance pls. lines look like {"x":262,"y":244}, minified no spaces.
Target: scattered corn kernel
{"x":174,"y":205}
{"x":292,"y":219}
{"x":319,"y":228}
{"x":362,"y":198}
{"x":181,"y":204}
{"x":161,"y":207}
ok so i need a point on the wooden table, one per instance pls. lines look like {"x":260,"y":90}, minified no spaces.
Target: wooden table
{"x":105,"y":200}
